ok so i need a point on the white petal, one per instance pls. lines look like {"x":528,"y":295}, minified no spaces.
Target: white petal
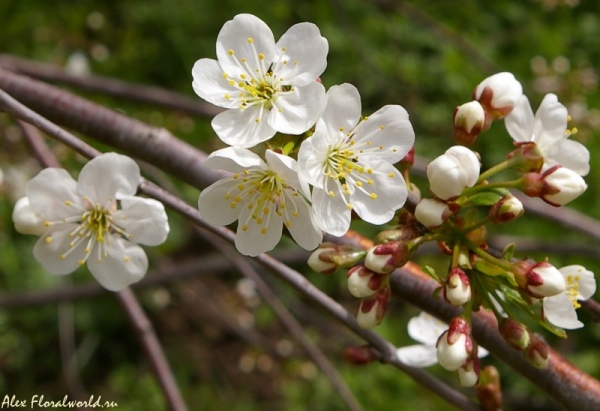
{"x":303,"y":44}
{"x":234,"y":36}
{"x":26,"y":220}
{"x":312,"y":154}
{"x":287,"y":168}
{"x":296,"y":112}
{"x":234,"y":159}
{"x":215,"y":206}
{"x":419,"y":356}
{"x":143,"y":219}
{"x":49,"y":191}
{"x":330,"y":213}
{"x":48,"y":252}
{"x":108,"y":176}
{"x":570,"y":154}
{"x":240,"y":128}
{"x":550,"y":121}
{"x":426,"y":329}
{"x":341,"y":112}
{"x":468,"y":161}
{"x":301,"y":226}
{"x":124,"y":263}
{"x":519,"y":123}
{"x":389,"y":128}
{"x":390,"y":195}
{"x":560,"y":312}
{"x":253,"y":240}
{"x":210,"y":84}
{"x":583,"y":277}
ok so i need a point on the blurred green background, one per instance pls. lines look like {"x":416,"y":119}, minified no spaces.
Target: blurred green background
{"x":426,"y":56}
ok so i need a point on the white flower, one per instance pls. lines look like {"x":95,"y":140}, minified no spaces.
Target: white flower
{"x":560,"y":309}
{"x":82,"y":222}
{"x":425,"y":329}
{"x":548,"y":130}
{"x":453,"y":171}
{"x":498,"y":94}
{"x":349,"y":163}
{"x":267,"y":87}
{"x":262,"y":197}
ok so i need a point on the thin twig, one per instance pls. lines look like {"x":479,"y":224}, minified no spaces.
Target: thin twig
{"x":36,"y":144}
{"x":153,"y":349}
{"x":111,"y":86}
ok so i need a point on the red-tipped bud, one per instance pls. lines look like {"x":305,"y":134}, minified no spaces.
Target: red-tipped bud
{"x":406,"y":232}
{"x":385,"y":258}
{"x":370,"y":311}
{"x":557,"y":186}
{"x":514,"y":333}
{"x":539,"y":279}
{"x":498,"y":94}
{"x":468,"y":373}
{"x":360,"y":355}
{"x":537,"y":353}
{"x":488,"y":390}
{"x":469,"y":120}
{"x":455,"y":344}
{"x":408,"y":160}
{"x":329,"y":257}
{"x":507,"y":209}
{"x":362,"y":282}
{"x":457,"y":290}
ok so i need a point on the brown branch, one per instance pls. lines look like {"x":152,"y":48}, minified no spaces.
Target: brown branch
{"x":108,"y":85}
{"x":153,"y":349}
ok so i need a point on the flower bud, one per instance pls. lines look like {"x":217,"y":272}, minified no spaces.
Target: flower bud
{"x":328,"y":257}
{"x":539,"y":279}
{"x":453,"y":171}
{"x":468,"y":374}
{"x":360,"y":355}
{"x":26,"y":220}
{"x":469,"y":121}
{"x":488,"y":390}
{"x":498,"y":94}
{"x":362,"y":282}
{"x":455,"y":344}
{"x":408,"y":160}
{"x":432,"y":213}
{"x":371,"y":310}
{"x":457,"y":290}
{"x":385,"y":258}
{"x":507,"y":209}
{"x":514,"y":333}
{"x":537,"y":353}
{"x":406,"y":232}
{"x":562,"y":185}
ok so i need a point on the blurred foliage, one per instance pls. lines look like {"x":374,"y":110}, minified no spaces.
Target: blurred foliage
{"x":426,"y":56}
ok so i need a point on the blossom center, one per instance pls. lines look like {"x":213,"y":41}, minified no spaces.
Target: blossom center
{"x":572,"y":290}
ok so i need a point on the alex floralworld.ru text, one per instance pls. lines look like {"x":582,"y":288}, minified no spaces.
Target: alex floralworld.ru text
{"x":38,"y":401}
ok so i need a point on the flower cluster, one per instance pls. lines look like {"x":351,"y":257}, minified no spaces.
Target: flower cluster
{"x":95,"y":220}
{"x":321,"y":160}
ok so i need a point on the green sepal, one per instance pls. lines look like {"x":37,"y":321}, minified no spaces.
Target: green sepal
{"x":431,"y":272}
{"x":487,"y":197}
{"x":509,"y":251}
{"x":493,"y":271}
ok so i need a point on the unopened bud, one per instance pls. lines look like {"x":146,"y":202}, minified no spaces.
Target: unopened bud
{"x":539,"y":279}
{"x":469,"y":121}
{"x":537,"y":353}
{"x":406,"y":232}
{"x":507,"y":209}
{"x":468,"y":374}
{"x":562,"y":185}
{"x":457,"y":290}
{"x":498,"y":94}
{"x":453,"y":171}
{"x":489,"y":391}
{"x":370,"y":311}
{"x":514,"y":333}
{"x":329,"y":257}
{"x":455,"y":344}
{"x":385,"y":258}
{"x":362,"y":282}
{"x":408,"y":160}
{"x":432,"y":213}
{"x":360,"y":355}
